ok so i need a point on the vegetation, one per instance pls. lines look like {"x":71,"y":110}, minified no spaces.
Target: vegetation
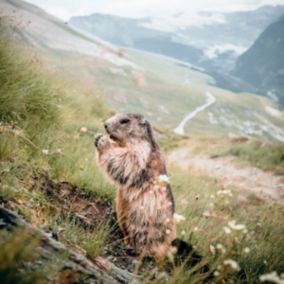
{"x":260,"y":154}
{"x":47,"y":162}
{"x":43,"y":135}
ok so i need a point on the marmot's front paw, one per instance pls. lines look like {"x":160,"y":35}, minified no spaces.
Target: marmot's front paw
{"x":97,"y":138}
{"x":101,"y":141}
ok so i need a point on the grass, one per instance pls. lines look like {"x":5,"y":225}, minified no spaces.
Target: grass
{"x":258,"y":249}
{"x":41,"y":135}
{"x":40,"y":125}
{"x":259,"y":154}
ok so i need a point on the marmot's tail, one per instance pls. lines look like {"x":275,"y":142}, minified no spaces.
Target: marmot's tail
{"x":189,"y":258}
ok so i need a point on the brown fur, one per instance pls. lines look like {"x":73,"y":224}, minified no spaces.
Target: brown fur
{"x":132,"y":159}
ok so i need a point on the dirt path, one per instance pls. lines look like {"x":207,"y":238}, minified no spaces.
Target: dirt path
{"x":263,"y":184}
{"x":210,"y":99}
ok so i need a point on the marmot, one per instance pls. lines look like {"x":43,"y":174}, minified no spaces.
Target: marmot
{"x":132,"y":159}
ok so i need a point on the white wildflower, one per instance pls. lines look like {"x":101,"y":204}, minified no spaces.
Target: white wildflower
{"x":178,"y":218}
{"x":232,"y":263}
{"x":212,"y":196}
{"x":83,"y":129}
{"x":212,"y":249}
{"x":221,"y":248}
{"x":246,"y":250}
{"x":216,"y":273}
{"x":237,"y":227}
{"x":164,"y":178}
{"x":227,"y":230}
{"x":45,"y":151}
{"x":195,"y":229}
{"x":183,"y":232}
{"x":271,"y":277}
{"x":224,"y":192}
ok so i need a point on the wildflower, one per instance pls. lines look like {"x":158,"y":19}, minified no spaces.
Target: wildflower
{"x":171,"y":252}
{"x":45,"y":151}
{"x":232,"y":263}
{"x":221,"y":248}
{"x":183,"y":232}
{"x":227,"y":230}
{"x":212,"y":249}
{"x":272,"y":277}
{"x":216,"y":273}
{"x":246,"y":250}
{"x":164,"y":178}
{"x":195,"y":229}
{"x":237,"y":227}
{"x":178,"y":218}
{"x":212,"y":196}
{"x":83,"y":129}
{"x":224,"y":192}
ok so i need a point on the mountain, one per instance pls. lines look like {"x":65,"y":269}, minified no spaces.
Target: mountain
{"x":127,"y":32}
{"x":263,"y":64}
{"x":209,"y":40}
{"x":170,"y":93}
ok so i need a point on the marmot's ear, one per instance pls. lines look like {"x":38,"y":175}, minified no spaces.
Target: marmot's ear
{"x":150,"y":135}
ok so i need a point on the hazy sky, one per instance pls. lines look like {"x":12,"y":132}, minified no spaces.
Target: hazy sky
{"x":139,"y":8}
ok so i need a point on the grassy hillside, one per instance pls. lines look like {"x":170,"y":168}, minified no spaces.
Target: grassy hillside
{"x":47,"y":128}
{"x":43,"y":144}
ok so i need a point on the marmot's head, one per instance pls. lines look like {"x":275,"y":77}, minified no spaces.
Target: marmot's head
{"x":130,"y":128}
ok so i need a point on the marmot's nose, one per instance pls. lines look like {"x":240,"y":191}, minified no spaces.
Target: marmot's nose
{"x":106,"y":126}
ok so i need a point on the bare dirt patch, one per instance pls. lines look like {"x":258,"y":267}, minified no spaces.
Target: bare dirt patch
{"x":263,"y":184}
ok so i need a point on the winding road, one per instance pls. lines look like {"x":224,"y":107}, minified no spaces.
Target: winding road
{"x":210,"y":99}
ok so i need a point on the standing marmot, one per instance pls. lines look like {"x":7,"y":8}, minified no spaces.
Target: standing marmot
{"x":144,"y":202}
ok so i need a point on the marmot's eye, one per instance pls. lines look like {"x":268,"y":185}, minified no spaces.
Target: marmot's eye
{"x":124,"y":121}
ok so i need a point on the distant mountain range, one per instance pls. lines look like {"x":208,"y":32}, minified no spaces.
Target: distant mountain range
{"x":166,"y":91}
{"x":263,"y":64}
{"x":210,"y":40}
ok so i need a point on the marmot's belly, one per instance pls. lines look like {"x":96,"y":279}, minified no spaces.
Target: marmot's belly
{"x":146,"y":220}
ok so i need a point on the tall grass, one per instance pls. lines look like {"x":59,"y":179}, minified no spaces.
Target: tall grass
{"x":40,"y":134}
{"x":259,"y":154}
{"x":257,"y":246}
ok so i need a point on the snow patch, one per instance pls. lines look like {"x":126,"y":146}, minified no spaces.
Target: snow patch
{"x":182,"y":21}
{"x":273,"y":111}
{"x":215,"y":50}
